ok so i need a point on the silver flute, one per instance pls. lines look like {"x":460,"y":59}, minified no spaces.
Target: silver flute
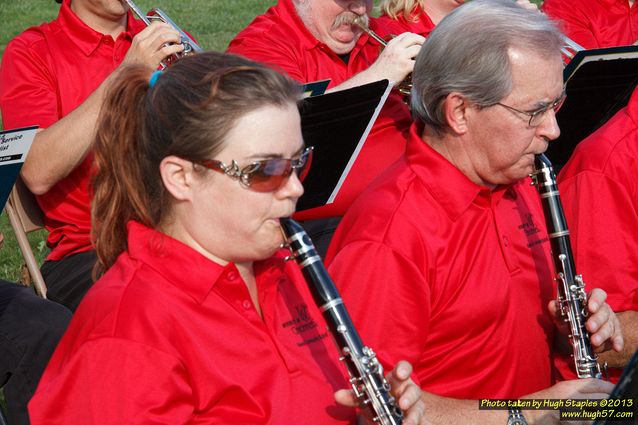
{"x":572,"y":298}
{"x":366,"y":373}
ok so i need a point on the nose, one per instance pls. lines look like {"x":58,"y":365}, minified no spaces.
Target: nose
{"x":360,"y":7}
{"x":549,"y":128}
{"x":292,"y":188}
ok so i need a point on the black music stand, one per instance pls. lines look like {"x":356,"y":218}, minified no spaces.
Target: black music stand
{"x":337,"y":124}
{"x":598,"y":83}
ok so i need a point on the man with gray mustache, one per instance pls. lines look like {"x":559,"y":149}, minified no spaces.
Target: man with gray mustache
{"x":313,"y":40}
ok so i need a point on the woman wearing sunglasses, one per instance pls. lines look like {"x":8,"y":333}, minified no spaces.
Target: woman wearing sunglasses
{"x":197,"y":319}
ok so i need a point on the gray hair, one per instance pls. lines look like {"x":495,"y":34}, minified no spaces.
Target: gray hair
{"x":302,"y":7}
{"x":468,"y":53}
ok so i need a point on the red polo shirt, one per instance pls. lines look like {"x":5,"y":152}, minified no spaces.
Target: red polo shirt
{"x":420,"y":23}
{"x":46,"y":72}
{"x":596,"y":23}
{"x":279,"y":38}
{"x":153,"y":344}
{"x":456,"y":277}
{"x":599,"y":191}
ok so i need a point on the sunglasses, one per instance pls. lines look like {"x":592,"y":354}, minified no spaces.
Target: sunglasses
{"x":266,"y":175}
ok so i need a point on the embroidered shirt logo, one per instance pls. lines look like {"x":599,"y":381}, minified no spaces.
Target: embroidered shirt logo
{"x":303,"y":324}
{"x":302,"y":321}
{"x":528,"y":226}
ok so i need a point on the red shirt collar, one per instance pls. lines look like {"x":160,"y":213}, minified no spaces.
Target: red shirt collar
{"x":447,"y":184}
{"x":85,"y":37}
{"x":181,"y":265}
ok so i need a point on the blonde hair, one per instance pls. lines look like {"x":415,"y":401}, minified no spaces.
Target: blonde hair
{"x":393,"y":8}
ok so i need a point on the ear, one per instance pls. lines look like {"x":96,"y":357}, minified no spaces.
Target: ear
{"x":456,"y":109}
{"x":178,"y":177}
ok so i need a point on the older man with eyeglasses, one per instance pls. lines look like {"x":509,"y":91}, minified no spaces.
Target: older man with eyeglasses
{"x":450,"y":245}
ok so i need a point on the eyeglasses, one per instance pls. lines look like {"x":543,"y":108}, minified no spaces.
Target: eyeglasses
{"x":536,"y":117}
{"x":266,"y":175}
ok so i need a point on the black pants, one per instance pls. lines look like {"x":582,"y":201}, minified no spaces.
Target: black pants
{"x":68,"y":279}
{"x":30,"y":328}
{"x":320,"y":232}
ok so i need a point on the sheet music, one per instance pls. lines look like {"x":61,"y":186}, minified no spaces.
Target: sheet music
{"x":591,"y":55}
{"x":14,"y":146}
{"x":337,"y":124}
{"x":364,"y":136}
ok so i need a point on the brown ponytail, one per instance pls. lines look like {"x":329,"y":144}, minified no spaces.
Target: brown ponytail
{"x":118,"y":196}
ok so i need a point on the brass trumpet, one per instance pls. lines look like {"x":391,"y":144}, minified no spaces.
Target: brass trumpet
{"x":570,"y":48}
{"x":405,"y":86}
{"x":189,"y":44}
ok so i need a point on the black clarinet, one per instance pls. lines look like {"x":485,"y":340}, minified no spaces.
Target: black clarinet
{"x":366,"y":373}
{"x":572,"y":298}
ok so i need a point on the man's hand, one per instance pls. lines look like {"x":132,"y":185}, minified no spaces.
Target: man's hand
{"x":404,"y":390}
{"x":153,"y":44}
{"x":602,"y":323}
{"x":394,"y":63}
{"x":629,"y":325}
{"x":590,"y":388}
{"x":396,"y":60}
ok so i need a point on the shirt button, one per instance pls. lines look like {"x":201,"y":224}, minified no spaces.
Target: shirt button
{"x":247,"y":304}
{"x":231,"y":276}
{"x":506,"y":241}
